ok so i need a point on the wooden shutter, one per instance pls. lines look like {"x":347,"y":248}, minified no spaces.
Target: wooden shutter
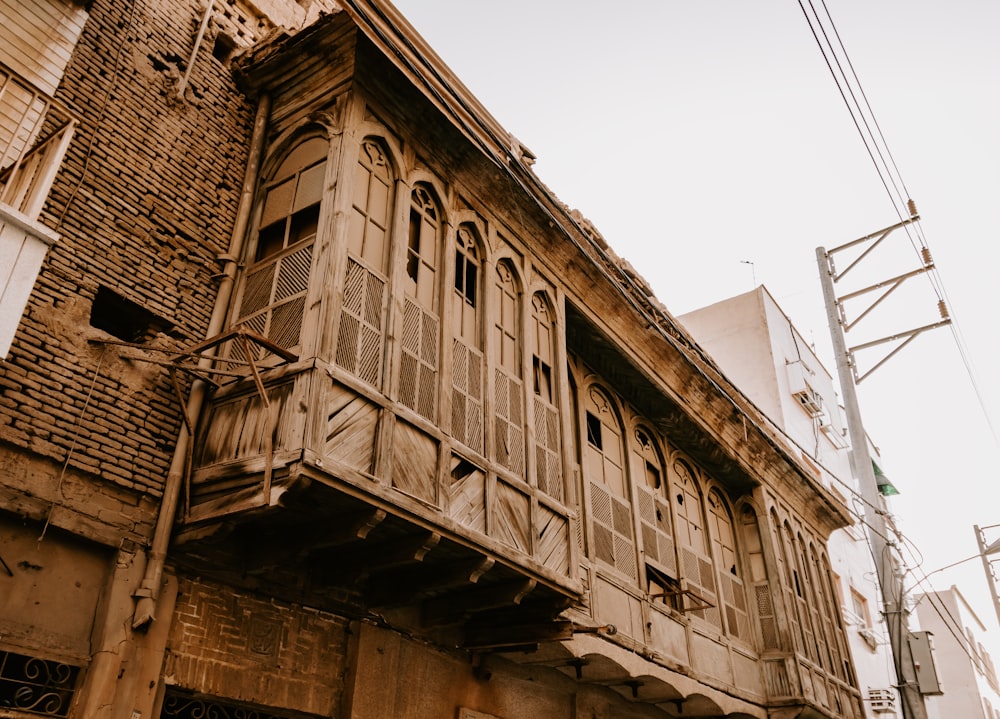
{"x":361,"y":333}
{"x":548,"y":465}
{"x":612,"y":527}
{"x":657,"y":536}
{"x":467,"y":395}
{"x":419,"y":364}
{"x":508,"y":424}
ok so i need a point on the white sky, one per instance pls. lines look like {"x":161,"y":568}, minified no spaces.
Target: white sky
{"x":698,"y":135}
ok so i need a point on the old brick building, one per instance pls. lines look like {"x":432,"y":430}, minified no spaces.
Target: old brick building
{"x":322,"y":405}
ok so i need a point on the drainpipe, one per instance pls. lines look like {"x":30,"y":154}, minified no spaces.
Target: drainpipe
{"x":149,"y":588}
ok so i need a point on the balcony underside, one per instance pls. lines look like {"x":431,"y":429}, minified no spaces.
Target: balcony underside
{"x":318,"y":541}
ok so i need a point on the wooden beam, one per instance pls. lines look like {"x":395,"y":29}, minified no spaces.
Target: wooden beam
{"x":456,"y":607}
{"x":371,"y":557}
{"x":499,"y":636}
{"x":280,"y":546}
{"x":396,"y":589}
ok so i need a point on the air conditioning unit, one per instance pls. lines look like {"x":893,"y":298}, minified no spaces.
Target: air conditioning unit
{"x":809,"y":399}
{"x":882,"y":701}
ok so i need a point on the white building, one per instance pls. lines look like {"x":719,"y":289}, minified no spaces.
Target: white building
{"x":757,"y":347}
{"x":964,"y":668}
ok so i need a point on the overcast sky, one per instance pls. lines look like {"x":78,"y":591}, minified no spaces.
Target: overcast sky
{"x":700,"y":137}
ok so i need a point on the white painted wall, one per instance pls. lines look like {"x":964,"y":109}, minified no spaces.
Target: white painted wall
{"x":754,"y":344}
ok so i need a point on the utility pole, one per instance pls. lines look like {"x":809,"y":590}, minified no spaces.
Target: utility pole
{"x":984,"y":553}
{"x":860,"y":457}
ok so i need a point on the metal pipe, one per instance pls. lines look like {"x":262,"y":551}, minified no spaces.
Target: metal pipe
{"x":197,"y":45}
{"x":149,"y":588}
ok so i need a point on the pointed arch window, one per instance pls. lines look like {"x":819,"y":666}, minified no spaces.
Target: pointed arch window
{"x":548,"y":463}
{"x":604,"y":470}
{"x":368,"y":234}
{"x":467,"y":351}
{"x":508,"y":388}
{"x":692,"y":545}
{"x":361,"y":331}
{"x":732,"y":592}
{"x":274,"y":288}
{"x":758,"y":577}
{"x":420,"y":338}
{"x":650,"y":480}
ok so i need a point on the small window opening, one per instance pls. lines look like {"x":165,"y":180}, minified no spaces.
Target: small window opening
{"x":270,"y":241}
{"x":543,"y":379}
{"x":223,"y":48}
{"x":413,"y":251}
{"x":663,"y":588}
{"x":594,"y":431}
{"x":123,"y":318}
{"x":463,"y":468}
{"x":652,"y":476}
{"x":465,"y":278}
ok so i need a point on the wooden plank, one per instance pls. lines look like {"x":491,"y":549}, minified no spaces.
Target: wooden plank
{"x":37,"y":38}
{"x":414,"y":466}
{"x":511,"y":517}
{"x":351,"y":422}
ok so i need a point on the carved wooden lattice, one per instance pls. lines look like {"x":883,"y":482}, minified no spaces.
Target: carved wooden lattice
{"x":508,"y":425}
{"x":361,"y":334}
{"x":548,"y":466}
{"x":467,"y":395}
{"x":697,"y":571}
{"x":612,"y":526}
{"x":273,"y":301}
{"x":657,"y":537}
{"x":418,"y":370}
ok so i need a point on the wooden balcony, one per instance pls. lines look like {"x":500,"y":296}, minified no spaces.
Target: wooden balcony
{"x":305,"y":486}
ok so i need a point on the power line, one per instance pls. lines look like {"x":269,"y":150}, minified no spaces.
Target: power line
{"x":836,"y":57}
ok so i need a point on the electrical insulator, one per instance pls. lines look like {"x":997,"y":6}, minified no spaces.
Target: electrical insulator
{"x":925,"y":253}
{"x":943,"y":309}
{"x":912,"y":207}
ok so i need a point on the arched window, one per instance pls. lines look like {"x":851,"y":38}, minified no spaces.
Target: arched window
{"x":368,"y":235}
{"x":604,"y":469}
{"x":467,"y":350}
{"x":758,"y":577}
{"x":692,"y":544}
{"x":548,"y":463}
{"x":508,"y":426}
{"x":274,"y":288}
{"x":361,"y":332}
{"x":420,"y":338}
{"x":802,"y":595}
{"x":732,"y":593}
{"x":649,"y":478}
{"x":824,"y":610}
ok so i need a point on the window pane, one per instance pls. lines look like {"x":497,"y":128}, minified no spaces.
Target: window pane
{"x":278,"y":203}
{"x":310,"y":189}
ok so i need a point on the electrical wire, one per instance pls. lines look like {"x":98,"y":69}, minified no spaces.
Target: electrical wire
{"x":865,"y":122}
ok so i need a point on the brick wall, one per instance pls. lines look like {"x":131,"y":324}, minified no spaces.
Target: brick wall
{"x":235,"y":647}
{"x":144,"y":203}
